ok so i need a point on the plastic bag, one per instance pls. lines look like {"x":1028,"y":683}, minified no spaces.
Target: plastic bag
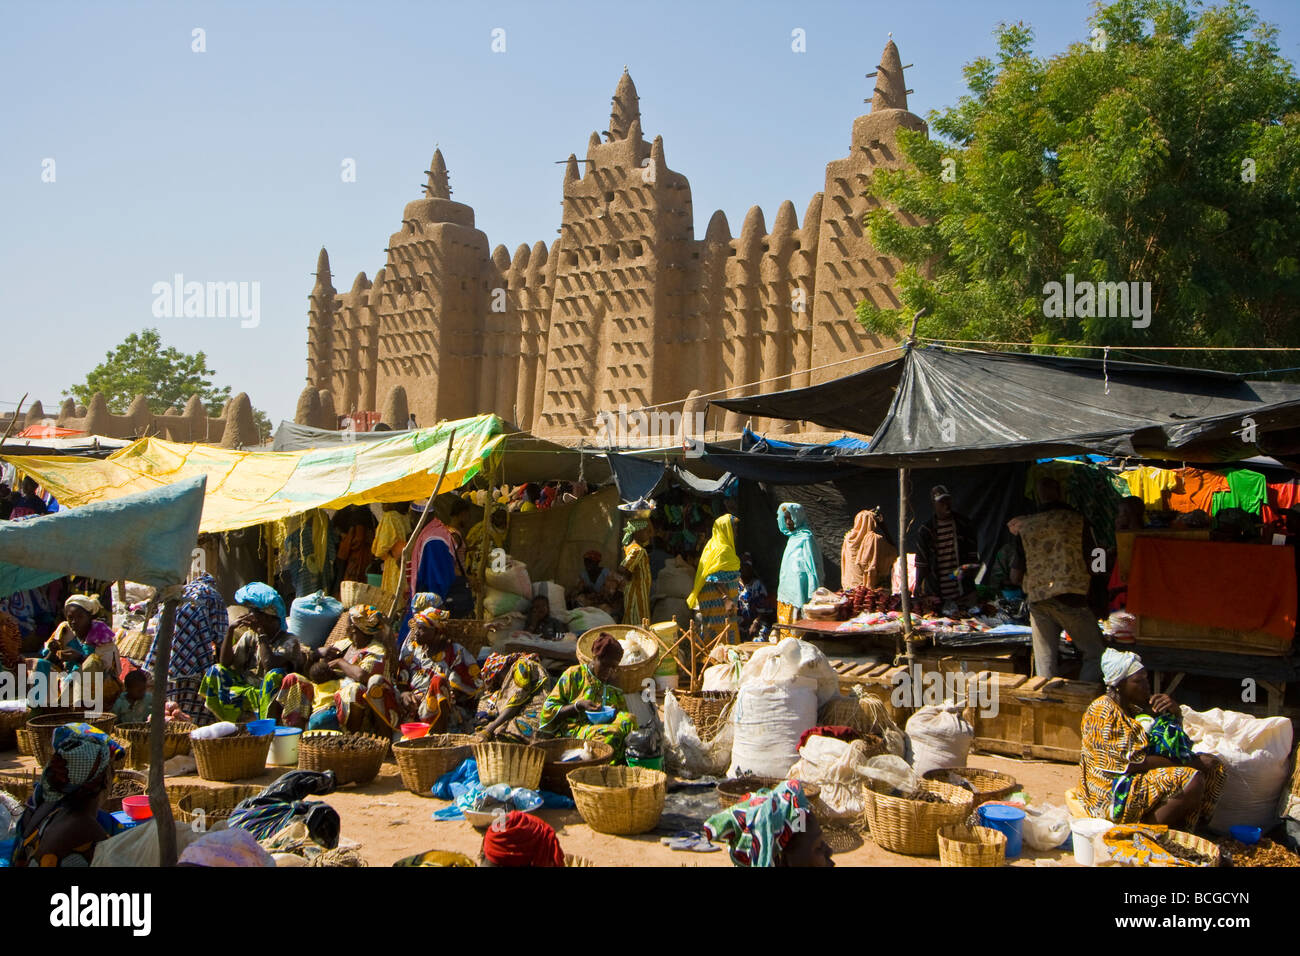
{"x":834,"y":766}
{"x":465,"y":774}
{"x":1046,"y":827}
{"x":496,"y":603}
{"x":893,"y":771}
{"x":1255,"y":752}
{"x":940,"y":738}
{"x":138,"y":846}
{"x":512,"y":579}
{"x":791,"y":659}
{"x":686,"y":753}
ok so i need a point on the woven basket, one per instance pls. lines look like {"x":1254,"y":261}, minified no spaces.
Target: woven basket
{"x":231,"y":758}
{"x":734,"y":789}
{"x":126,"y":783}
{"x":12,"y":721}
{"x":1074,"y":803}
{"x":708,"y":709}
{"x":19,"y":783}
{"x":423,"y":760}
{"x":358,"y":763}
{"x":134,"y":645}
{"x":912,"y":827}
{"x":1200,"y":844}
{"x":469,"y":634}
{"x":960,"y":845}
{"x":619,"y":800}
{"x":136,"y":738}
{"x":988,"y":784}
{"x":352,"y":593}
{"x":512,"y":764}
{"x":571,"y":860}
{"x":177,"y":790}
{"x":555,"y":775}
{"x":215,"y":802}
{"x":630,"y":679}
{"x":25,"y":746}
{"x":42,"y":730}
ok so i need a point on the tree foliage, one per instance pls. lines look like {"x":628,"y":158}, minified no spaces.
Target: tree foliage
{"x":1164,"y":149}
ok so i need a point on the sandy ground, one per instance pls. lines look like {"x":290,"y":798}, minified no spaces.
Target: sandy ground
{"x":391,"y":823}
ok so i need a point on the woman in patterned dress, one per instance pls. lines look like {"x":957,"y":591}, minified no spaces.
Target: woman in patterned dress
{"x":514,"y":690}
{"x":717,"y":582}
{"x":588,"y":687}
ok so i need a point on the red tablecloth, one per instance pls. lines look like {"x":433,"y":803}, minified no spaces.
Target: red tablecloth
{"x":1241,"y":587}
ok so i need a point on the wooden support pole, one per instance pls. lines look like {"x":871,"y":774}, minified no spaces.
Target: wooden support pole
{"x":158,"y":802}
{"x":410,"y":543}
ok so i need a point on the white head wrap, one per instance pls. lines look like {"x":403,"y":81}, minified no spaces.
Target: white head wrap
{"x":87,"y":602}
{"x":1117,"y":665}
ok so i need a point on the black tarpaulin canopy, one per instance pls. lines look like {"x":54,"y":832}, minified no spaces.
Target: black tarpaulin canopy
{"x":940,"y":406}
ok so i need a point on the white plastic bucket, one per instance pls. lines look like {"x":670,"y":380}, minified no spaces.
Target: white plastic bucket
{"x":1083,"y":830}
{"x":284,"y":746}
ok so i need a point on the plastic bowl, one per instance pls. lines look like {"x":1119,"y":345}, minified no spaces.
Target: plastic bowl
{"x":412,"y":731}
{"x":261,"y":728}
{"x":137,"y":807}
{"x":602,"y":716}
{"x":1245,"y":834}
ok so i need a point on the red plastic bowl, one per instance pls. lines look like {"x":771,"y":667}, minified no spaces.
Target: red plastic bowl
{"x":137,"y":807}
{"x":412,"y":731}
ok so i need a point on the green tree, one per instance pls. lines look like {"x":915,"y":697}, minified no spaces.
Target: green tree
{"x":1165,"y":149}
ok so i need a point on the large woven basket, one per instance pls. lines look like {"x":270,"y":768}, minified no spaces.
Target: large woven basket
{"x":571,"y":860}
{"x":134,"y":645}
{"x":629,"y":678}
{"x":619,"y":800}
{"x":231,"y":758}
{"x":709,"y":710}
{"x":734,"y":789}
{"x":136,"y":738}
{"x":960,"y":845}
{"x":25,"y":746}
{"x":43,"y":726}
{"x":352,"y":593}
{"x":1200,"y":844}
{"x":988,"y":784}
{"x":912,"y":826}
{"x":555,"y":774}
{"x":19,"y":783}
{"x":126,"y":783}
{"x":423,"y":760}
{"x":215,"y":802}
{"x":354,"y":758}
{"x":470,"y":634}
{"x":12,"y":721}
{"x":514,"y":764}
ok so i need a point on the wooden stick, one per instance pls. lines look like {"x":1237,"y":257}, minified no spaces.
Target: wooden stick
{"x":158,"y":802}
{"x":424,"y":519}
{"x":14,"y":420}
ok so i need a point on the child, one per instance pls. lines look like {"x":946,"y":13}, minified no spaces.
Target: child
{"x":324,"y":711}
{"x":135,"y":704}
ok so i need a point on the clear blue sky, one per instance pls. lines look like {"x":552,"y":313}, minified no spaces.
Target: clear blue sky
{"x":225,"y":165}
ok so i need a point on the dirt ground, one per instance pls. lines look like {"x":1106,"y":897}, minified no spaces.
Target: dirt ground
{"x":390,"y":823}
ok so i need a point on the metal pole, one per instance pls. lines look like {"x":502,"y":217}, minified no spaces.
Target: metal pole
{"x":158,"y":802}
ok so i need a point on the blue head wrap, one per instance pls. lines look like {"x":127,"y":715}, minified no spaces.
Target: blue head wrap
{"x":262,"y":597}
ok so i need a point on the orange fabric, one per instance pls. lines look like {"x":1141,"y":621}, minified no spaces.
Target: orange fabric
{"x":1195,"y":490}
{"x":1241,"y":587}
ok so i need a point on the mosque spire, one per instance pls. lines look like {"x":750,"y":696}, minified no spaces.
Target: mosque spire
{"x":891,"y":87}
{"x":626,"y":109}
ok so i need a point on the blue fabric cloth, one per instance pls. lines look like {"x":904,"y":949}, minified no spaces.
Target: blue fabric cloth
{"x":437,"y":568}
{"x":466,"y":773}
{"x":801,"y":565}
{"x":263,"y":597}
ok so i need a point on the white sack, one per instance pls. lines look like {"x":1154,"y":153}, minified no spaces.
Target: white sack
{"x":1255,"y":752}
{"x":940,"y":738}
{"x":793,"y":659}
{"x":769,"y":718}
{"x":514,"y":579}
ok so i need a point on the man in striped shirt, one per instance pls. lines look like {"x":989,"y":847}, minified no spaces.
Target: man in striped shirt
{"x":947,"y":552}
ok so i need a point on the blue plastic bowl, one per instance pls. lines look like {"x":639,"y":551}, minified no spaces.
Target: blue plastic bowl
{"x":1245,"y":834}
{"x":260,"y":728}
{"x":602,"y":716}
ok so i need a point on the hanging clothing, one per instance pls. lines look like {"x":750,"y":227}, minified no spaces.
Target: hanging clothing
{"x":867,"y":555}
{"x":201,"y":624}
{"x":390,"y":538}
{"x":432,"y":560}
{"x":1247,"y":490}
{"x":1150,"y":484}
{"x":354,"y":550}
{"x":636,"y":592}
{"x":801,"y":565}
{"x":718,"y":555}
{"x":1195,"y":490}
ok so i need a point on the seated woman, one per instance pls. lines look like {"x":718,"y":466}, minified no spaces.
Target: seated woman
{"x":84,"y":644}
{"x":520,"y":839}
{"x":587,"y":687}
{"x":514,"y":689}
{"x":540,"y":623}
{"x":437,"y":680}
{"x":366,"y":699}
{"x":772,"y":828}
{"x":63,"y":821}
{"x":244,"y":682}
{"x":1138,"y":765}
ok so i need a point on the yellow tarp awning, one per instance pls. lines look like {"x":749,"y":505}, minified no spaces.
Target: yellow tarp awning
{"x":251,"y":487}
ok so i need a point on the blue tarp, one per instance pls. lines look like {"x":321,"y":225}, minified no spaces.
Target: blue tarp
{"x":146,"y":537}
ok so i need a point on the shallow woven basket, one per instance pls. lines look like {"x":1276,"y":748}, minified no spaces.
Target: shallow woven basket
{"x":215,"y":802}
{"x":126,"y":783}
{"x":12,"y":721}
{"x":708,"y":709}
{"x":352,"y":593}
{"x":630,"y":679}
{"x":619,"y":800}
{"x":423,"y":760}
{"x":988,"y":784}
{"x":25,"y":746}
{"x":912,"y":826}
{"x":19,"y":783}
{"x":734,"y":789}
{"x":136,"y":738}
{"x":359,"y":763}
{"x":555,"y":775}
{"x":43,"y":726}
{"x":1200,"y":844}
{"x":231,"y":758}
{"x":960,"y":845}
{"x":513,"y":764}
{"x":134,"y":645}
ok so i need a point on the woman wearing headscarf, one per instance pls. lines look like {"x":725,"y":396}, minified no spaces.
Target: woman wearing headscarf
{"x":201,"y":622}
{"x":521,"y":839}
{"x":589,"y":687}
{"x":1137,"y":761}
{"x":801,"y":565}
{"x":636,"y":562}
{"x":495,"y":528}
{"x":717,"y":582}
{"x":86,"y":644}
{"x":63,"y":822}
{"x":771,"y":828}
{"x":437,"y":679}
{"x":867,"y":556}
{"x":366,"y":699}
{"x":249,"y":671}
{"x":514,"y":689}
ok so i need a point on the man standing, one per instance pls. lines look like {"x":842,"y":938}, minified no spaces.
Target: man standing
{"x":947,"y":552}
{"x":1056,"y":549}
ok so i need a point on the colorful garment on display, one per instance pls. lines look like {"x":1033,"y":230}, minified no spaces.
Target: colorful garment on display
{"x":1247,"y":490}
{"x":758,"y":828}
{"x":1195,"y":490}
